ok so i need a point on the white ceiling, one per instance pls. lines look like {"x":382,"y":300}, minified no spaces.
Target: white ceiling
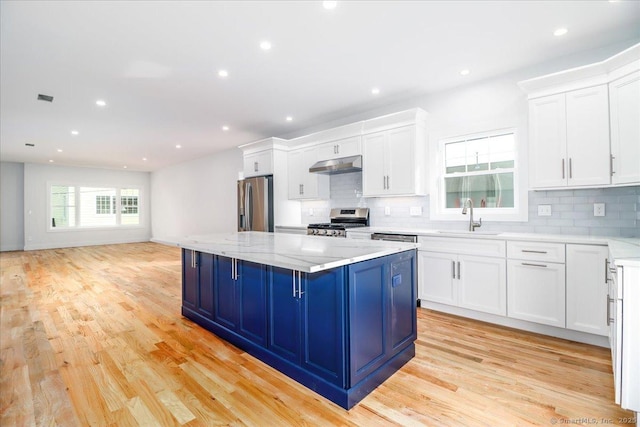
{"x":156,"y":62}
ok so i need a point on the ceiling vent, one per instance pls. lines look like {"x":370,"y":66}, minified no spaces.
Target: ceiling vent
{"x":47,"y":98}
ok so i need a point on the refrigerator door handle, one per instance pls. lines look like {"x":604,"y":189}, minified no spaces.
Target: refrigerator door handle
{"x":248,"y":206}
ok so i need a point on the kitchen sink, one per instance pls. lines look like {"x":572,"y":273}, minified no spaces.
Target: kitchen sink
{"x":470,"y":233}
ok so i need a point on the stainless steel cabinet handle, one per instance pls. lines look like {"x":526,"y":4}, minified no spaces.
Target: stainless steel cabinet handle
{"x":562,"y":168}
{"x":193,"y":259}
{"x":609,"y":319}
{"x":613,"y":270}
{"x":300,"y":284}
{"x":300,"y":189}
{"x":458,"y":270}
{"x":606,"y":268}
{"x":534,"y":252}
{"x":570,"y":168}
{"x":302,"y":186}
{"x":453,"y":269}
{"x":255,"y":166}
{"x":611,"y":171}
{"x":293,"y":282}
{"x":534,"y":265}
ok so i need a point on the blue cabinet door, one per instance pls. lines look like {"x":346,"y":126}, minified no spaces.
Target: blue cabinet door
{"x":324,"y":324}
{"x":224,"y":293}
{"x":204,"y":303}
{"x":190,"y":279}
{"x":284,"y":315}
{"x":252,"y":301}
{"x":402,"y":298}
{"x":368,"y":317}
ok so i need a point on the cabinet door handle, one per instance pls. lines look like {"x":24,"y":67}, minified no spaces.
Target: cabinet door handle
{"x":453,"y":269}
{"x":293,"y":282}
{"x":534,"y":265}
{"x":570,"y":168}
{"x":300,"y":189}
{"x":534,"y":252}
{"x":562,"y":168}
{"x":193,"y":259}
{"x":255,"y":166}
{"x":384,"y":182}
{"x":300,"y":284}
{"x":609,"y":319}
{"x":611,"y":171}
{"x":458,"y":270}
{"x":606,"y":268}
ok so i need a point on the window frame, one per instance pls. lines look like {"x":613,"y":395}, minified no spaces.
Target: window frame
{"x":520,"y":211}
{"x":78,"y":207}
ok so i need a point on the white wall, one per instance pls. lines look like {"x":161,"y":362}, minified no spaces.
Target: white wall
{"x":196,"y":197}
{"x":11,"y":206}
{"x":36,"y":217}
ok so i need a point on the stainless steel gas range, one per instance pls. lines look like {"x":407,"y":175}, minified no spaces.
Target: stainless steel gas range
{"x":341,"y":220}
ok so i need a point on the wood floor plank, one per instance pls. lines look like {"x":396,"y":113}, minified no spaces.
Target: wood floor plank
{"x":94,"y":336}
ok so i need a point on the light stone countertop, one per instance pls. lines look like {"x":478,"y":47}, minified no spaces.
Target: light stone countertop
{"x":304,"y":253}
{"x":625,"y":251}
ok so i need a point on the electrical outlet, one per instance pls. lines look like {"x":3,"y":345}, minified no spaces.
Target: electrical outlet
{"x":598,"y":209}
{"x":415,"y":211}
{"x":387,"y":210}
{"x":544,"y":210}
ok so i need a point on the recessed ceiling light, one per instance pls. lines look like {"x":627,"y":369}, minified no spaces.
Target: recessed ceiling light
{"x":74,"y":132}
{"x":265,"y":45}
{"x":329,"y":4}
{"x":289,"y":118}
{"x":59,"y":150}
{"x":375,"y":91}
{"x":178,"y":146}
{"x":144,"y":159}
{"x":225,"y":128}
{"x":101,"y":103}
{"x":50,"y":160}
{"x":223,"y":73}
{"x":464,"y":72}
{"x":125,"y":166}
{"x":560,"y":32}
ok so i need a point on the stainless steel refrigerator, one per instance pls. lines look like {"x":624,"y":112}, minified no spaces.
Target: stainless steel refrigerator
{"x":255,"y":204}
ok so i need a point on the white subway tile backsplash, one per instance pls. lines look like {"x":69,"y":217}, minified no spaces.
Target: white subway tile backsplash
{"x":572,"y":210}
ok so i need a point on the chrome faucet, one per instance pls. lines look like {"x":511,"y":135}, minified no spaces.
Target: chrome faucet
{"x":472,"y":225}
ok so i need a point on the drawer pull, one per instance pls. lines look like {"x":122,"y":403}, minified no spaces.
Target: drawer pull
{"x":453,"y":269}
{"x":534,"y":252}
{"x":534,"y":265}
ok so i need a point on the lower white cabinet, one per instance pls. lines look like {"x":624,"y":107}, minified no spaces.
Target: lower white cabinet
{"x":587,"y":289}
{"x":473,"y":282}
{"x":536,"y":292}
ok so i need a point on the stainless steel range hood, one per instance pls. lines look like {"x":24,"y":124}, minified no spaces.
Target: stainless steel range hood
{"x":336,"y":166}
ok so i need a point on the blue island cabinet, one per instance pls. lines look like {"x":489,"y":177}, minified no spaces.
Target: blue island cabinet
{"x":340,"y":332}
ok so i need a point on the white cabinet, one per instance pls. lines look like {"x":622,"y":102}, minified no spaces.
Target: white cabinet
{"x":393,"y":162}
{"x":341,"y":148}
{"x":587,"y":289}
{"x":302,"y":184}
{"x":624,"y":101}
{"x":569,"y":139}
{"x":536,"y":282}
{"x":464,"y":280}
{"x":260,"y":163}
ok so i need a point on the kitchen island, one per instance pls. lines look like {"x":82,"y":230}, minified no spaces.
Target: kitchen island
{"x":336,"y":315}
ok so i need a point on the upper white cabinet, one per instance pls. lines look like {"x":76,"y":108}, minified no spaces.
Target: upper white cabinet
{"x":569,"y":139}
{"x":624,"y":101}
{"x":583,"y":124}
{"x":302,"y":184}
{"x":341,"y":148}
{"x":394,"y":162}
{"x":259,"y":163}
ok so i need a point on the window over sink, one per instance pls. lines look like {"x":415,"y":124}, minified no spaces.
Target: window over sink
{"x":482,"y":167}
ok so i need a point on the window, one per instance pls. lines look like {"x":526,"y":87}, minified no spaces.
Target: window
{"x":483,"y":168}
{"x":77,"y":206}
{"x":63,"y":206}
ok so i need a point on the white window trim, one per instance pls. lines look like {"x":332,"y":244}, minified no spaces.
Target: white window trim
{"x":437,"y":210}
{"x":76,"y":228}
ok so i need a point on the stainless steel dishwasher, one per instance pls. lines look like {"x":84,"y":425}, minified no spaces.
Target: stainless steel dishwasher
{"x":394,"y":237}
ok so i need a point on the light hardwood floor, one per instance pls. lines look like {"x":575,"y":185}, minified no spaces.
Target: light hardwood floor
{"x":94,"y":336}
